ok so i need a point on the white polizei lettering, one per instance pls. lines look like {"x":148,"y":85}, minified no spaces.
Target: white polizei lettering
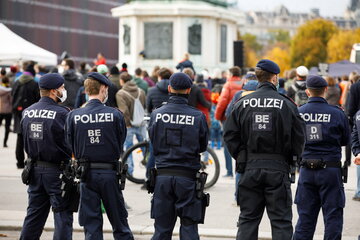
{"x":316,"y":117}
{"x":94,"y":118}
{"x":263,"y":103}
{"x":175,"y":119}
{"x":42,"y":113}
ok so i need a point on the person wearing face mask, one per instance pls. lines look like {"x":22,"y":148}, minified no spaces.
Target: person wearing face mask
{"x":265,"y":133}
{"x":96,"y":134}
{"x":44,"y":141}
{"x":178,"y":133}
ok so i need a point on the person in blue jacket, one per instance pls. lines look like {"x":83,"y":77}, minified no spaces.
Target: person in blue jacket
{"x":178,"y":133}
{"x":44,"y":141}
{"x":96,"y":134}
{"x":320,"y":184}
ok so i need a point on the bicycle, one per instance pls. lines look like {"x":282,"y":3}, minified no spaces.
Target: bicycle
{"x":141,"y":152}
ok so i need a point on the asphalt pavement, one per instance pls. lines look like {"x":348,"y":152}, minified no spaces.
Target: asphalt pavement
{"x":221,"y":216}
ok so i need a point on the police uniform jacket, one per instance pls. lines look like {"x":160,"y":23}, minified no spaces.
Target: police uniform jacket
{"x":96,"y":132}
{"x":43,"y":131}
{"x":327,"y":129}
{"x":179,"y":133}
{"x":265,"y":122}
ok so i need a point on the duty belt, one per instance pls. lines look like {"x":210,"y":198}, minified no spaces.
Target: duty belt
{"x":319,"y":163}
{"x":177,"y":172}
{"x":47,"y":164}
{"x":106,"y":166}
{"x":268,"y":161}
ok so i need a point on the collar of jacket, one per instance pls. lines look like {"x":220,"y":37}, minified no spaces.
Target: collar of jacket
{"x":48,"y":100}
{"x":178,"y":99}
{"x":266,"y":85}
{"x":94,"y":102}
{"x":234,"y":79}
{"x":317,"y":99}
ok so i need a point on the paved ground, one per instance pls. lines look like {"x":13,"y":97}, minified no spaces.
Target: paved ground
{"x":220,"y":222}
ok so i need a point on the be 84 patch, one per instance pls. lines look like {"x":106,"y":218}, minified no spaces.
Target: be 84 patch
{"x":36,"y":131}
{"x":314,"y":132}
{"x":262,"y":121}
{"x":94,"y":137}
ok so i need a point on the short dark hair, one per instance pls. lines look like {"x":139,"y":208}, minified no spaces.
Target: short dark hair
{"x":164,"y":73}
{"x":235,"y":71}
{"x":263,"y":76}
{"x":138,"y":71}
{"x":316,"y":92}
{"x":125,"y":76}
{"x":69,"y":62}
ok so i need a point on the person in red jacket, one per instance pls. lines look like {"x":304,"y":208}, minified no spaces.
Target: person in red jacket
{"x":100,"y":59}
{"x":199,"y":81}
{"x":232,"y":85}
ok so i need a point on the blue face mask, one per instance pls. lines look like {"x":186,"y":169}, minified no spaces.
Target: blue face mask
{"x":277,"y":86}
{"x":86,"y":97}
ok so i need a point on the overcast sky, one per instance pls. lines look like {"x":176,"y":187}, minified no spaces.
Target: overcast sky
{"x":327,"y":7}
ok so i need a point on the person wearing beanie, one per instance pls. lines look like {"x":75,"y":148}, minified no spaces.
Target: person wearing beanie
{"x":25,"y":92}
{"x":178,"y":133}
{"x":123,"y":68}
{"x":96,"y":134}
{"x":114,"y":76}
{"x":264,"y":133}
{"x":320,"y":184}
{"x":297,"y":90}
{"x":44,"y":137}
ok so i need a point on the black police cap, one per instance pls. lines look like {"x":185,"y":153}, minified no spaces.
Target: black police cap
{"x":268,"y":66}
{"x":179,"y":81}
{"x":313,"y":81}
{"x":99,"y":77}
{"x":51,"y":81}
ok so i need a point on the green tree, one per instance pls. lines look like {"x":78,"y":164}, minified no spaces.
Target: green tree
{"x":340,"y":45}
{"x":251,"y":42}
{"x":279,"y":36}
{"x":309,"y":45}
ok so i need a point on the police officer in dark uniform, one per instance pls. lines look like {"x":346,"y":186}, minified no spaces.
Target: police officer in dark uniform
{"x":96,"y":134}
{"x":179,"y":133}
{"x":320,"y":183}
{"x":263,"y":133}
{"x":44,"y":141}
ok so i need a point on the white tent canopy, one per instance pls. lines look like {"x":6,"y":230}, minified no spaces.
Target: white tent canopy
{"x":14,"y":49}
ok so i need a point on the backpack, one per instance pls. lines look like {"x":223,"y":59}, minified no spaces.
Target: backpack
{"x":139,"y":111}
{"x":300,"y":95}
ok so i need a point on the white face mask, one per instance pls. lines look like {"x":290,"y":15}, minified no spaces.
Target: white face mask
{"x":61,"y":69}
{"x":64,"y":96}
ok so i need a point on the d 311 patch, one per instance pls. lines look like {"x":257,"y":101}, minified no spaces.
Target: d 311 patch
{"x":262,"y":121}
{"x":314,"y":132}
{"x":36,"y":131}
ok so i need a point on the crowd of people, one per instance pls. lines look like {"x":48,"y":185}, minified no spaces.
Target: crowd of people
{"x":220,"y":95}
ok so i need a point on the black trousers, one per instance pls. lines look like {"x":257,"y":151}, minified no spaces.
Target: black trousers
{"x":7,"y":117}
{"x":19,"y":151}
{"x":260,"y":189}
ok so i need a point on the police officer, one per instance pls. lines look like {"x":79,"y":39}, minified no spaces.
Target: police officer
{"x":263,"y":133}
{"x":96,"y":134}
{"x":320,"y":184}
{"x":178,"y":133}
{"x":44,"y":141}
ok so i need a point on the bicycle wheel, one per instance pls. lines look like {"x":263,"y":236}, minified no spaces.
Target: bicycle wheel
{"x":139,"y":153}
{"x":210,"y":165}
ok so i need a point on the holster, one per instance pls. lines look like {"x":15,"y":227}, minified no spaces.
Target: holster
{"x":205,"y":200}
{"x":121,"y":173}
{"x":70,"y":188}
{"x":344,"y":172}
{"x":200,"y":194}
{"x":27,"y":171}
{"x":241,"y":161}
{"x":150,"y":183}
{"x":293,"y":165}
{"x":82,"y":170}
